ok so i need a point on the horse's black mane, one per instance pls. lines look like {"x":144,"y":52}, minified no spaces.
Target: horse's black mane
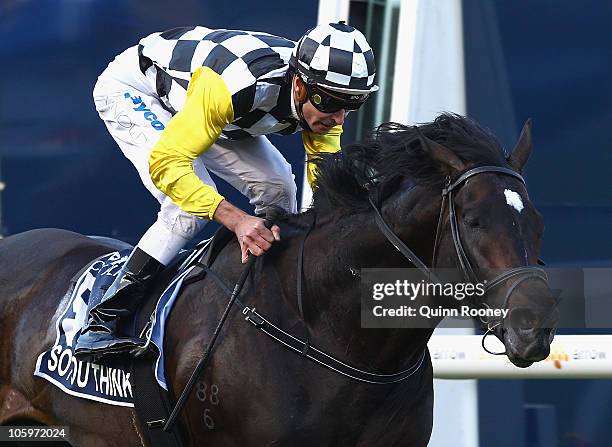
{"x":393,"y":153}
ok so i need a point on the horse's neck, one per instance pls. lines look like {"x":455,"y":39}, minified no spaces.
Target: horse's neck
{"x":334,"y":254}
{"x":346,"y":243}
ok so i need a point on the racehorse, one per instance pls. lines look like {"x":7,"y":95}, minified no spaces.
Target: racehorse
{"x":377,"y":387}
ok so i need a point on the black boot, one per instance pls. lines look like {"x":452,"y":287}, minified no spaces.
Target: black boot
{"x":122,"y":298}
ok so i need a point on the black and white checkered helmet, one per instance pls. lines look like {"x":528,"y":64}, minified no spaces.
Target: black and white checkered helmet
{"x":336,"y":56}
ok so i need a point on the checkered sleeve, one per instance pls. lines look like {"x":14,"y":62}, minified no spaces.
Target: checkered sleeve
{"x":315,"y":144}
{"x":207,"y":109}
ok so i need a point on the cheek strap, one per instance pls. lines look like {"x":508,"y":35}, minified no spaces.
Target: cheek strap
{"x":303,"y":122}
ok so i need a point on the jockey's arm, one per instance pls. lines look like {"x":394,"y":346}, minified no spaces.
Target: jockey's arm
{"x":207,"y":110}
{"x":315,"y":144}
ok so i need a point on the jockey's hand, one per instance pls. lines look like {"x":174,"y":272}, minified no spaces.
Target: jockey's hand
{"x":251,"y":231}
{"x":254,"y":237}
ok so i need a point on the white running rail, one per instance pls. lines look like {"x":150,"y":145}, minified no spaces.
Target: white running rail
{"x":571,"y":357}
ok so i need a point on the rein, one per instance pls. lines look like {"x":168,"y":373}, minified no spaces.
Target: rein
{"x":524,"y":273}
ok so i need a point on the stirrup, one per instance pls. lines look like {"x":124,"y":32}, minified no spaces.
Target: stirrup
{"x":148,"y":350}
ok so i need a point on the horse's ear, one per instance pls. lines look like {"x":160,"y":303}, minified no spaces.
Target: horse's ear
{"x":441,"y":154}
{"x":522,"y":150}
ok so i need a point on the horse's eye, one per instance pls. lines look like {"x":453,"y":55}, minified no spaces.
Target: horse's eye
{"x":472,"y":221}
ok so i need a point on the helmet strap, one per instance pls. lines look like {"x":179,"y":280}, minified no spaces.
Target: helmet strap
{"x":303,"y":122}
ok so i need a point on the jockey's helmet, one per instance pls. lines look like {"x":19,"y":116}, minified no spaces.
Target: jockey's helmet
{"x":336,"y":63}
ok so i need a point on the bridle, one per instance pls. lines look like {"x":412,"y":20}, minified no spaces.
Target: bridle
{"x":523,"y":273}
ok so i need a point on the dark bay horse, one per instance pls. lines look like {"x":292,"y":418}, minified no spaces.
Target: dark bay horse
{"x":255,"y":391}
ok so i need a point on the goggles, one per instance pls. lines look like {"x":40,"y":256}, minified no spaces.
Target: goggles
{"x":330,"y":102}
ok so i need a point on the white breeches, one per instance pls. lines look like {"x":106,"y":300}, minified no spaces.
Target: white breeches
{"x":253,"y":166}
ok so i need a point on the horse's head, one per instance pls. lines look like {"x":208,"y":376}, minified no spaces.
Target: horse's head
{"x":487,"y":225}
{"x":496,"y":240}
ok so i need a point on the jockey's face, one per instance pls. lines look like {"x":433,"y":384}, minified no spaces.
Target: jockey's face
{"x":321,"y":122}
{"x":318,"y":121}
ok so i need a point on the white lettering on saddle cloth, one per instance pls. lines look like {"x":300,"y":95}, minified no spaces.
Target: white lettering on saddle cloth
{"x":111,"y":382}
{"x":107,"y":382}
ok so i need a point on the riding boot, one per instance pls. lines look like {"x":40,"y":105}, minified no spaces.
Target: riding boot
{"x":121,"y":300}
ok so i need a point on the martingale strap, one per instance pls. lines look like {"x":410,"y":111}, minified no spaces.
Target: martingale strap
{"x":324,"y":359}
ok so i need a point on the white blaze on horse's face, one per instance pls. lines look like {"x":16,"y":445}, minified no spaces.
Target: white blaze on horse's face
{"x":514,"y":200}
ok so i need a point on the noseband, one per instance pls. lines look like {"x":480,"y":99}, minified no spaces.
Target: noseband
{"x":524,"y":273}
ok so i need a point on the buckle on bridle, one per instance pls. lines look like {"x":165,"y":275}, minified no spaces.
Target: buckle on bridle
{"x":253,"y":317}
{"x":447,"y":184}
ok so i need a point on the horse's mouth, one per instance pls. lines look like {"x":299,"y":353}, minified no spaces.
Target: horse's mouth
{"x":523,"y":353}
{"x":520,"y":362}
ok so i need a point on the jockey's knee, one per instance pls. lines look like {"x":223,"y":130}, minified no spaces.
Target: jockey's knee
{"x":181,"y":223}
{"x":279,"y":191}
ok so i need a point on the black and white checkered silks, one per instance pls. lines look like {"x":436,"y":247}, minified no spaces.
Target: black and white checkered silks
{"x":339,"y":57}
{"x":252,"y":64}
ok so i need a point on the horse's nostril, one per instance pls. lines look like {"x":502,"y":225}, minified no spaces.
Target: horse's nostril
{"x":537,"y":351}
{"x":523,"y":319}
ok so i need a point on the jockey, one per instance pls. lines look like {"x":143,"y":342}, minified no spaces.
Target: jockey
{"x":192,"y":100}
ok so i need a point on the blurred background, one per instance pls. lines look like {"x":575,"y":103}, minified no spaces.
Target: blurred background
{"x":498,"y":61}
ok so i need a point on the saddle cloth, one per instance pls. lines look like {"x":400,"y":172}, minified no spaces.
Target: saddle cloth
{"x":108,"y":380}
